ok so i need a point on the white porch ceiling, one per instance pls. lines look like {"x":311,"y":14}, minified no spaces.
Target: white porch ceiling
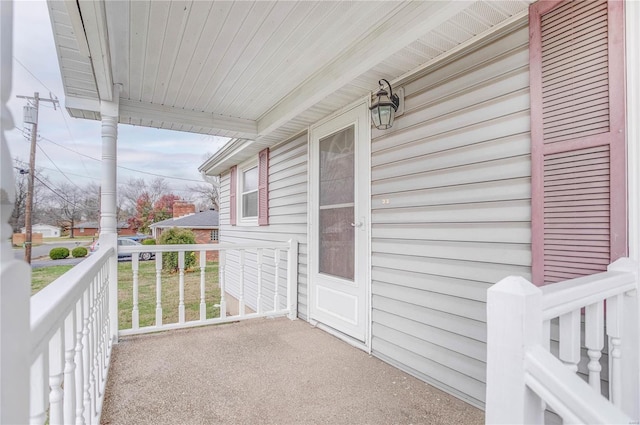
{"x":262,"y":70}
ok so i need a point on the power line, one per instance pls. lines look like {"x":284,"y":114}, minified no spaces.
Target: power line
{"x":54,"y":164}
{"x":33,"y":75}
{"x":122,"y":166}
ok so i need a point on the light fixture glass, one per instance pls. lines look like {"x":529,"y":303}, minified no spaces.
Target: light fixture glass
{"x":384,"y":107}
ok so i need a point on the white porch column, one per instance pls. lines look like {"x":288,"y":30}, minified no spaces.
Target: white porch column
{"x":630,"y":358}
{"x":15,"y":275}
{"x":108,"y":207}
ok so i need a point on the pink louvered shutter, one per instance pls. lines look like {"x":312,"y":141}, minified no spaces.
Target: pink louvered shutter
{"x":578,"y":155}
{"x":233,"y":197}
{"x":263,"y":187}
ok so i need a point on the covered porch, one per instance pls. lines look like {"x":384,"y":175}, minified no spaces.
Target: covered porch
{"x":266,"y":371}
{"x":68,"y":359}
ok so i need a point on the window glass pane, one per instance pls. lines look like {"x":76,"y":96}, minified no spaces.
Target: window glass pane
{"x":337,"y":242}
{"x":337,"y":168}
{"x":250,"y":179}
{"x":250,"y":204}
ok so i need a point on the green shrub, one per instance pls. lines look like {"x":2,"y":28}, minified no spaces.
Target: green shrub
{"x":79,"y":252}
{"x":59,"y":253}
{"x":177,"y":236}
{"x":148,"y":242}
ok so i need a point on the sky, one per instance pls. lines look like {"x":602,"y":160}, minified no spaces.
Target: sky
{"x":68,"y":147}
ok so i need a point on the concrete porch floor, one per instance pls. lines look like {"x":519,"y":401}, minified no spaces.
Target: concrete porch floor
{"x":266,"y":371}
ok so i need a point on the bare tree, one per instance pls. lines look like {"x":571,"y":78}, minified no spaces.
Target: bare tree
{"x":207,"y":195}
{"x":21,"y":177}
{"x":133,"y":188}
{"x":66,"y":204}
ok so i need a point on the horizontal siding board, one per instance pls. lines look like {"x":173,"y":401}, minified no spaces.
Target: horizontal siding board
{"x":463,"y":213}
{"x":464,"y":250}
{"x":465,"y":270}
{"x":501,"y":232}
{"x":468,"y":289}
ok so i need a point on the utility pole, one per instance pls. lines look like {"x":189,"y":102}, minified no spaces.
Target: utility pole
{"x":31,"y":117}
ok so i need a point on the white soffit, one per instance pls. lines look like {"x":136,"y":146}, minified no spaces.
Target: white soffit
{"x":261,"y":70}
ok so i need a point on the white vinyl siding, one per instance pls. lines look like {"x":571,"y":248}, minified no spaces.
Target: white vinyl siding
{"x":451,"y":213}
{"x":287,"y":220}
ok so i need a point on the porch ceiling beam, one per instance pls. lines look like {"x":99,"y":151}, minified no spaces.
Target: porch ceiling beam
{"x":149,"y":111}
{"x":408,"y":23}
{"x":94,"y":21}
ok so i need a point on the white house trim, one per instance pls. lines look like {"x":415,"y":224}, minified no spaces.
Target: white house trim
{"x":632,"y":13}
{"x":95,"y":27}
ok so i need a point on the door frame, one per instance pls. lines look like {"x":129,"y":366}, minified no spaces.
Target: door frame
{"x":365,"y":211}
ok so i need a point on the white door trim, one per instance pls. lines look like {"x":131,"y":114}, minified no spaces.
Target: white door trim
{"x":365,"y":212}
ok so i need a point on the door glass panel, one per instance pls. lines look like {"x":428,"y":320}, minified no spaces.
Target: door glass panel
{"x":336,"y":234}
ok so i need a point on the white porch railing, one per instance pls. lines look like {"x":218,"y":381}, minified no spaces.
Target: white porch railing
{"x":70,"y":344}
{"x":71,"y":323}
{"x":524,"y":378}
{"x":281,"y":304}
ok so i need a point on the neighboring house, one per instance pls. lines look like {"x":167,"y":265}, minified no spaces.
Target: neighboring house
{"x":47,"y":230}
{"x":203,"y":224}
{"x":92,"y":228}
{"x":515,"y":150}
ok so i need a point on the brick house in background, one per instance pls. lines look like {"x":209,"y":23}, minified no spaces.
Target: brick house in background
{"x":92,"y":228}
{"x":203,"y":224}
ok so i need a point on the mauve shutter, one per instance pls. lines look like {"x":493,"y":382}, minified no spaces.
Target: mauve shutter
{"x":579,"y":222}
{"x":233,"y":204}
{"x":263,"y":187}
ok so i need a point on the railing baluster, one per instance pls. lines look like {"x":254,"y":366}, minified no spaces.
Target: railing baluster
{"x":276,"y":280}
{"x":70,"y":367}
{"x":203,"y":304}
{"x":79,"y":359}
{"x":569,"y":347}
{"x":594,"y":341}
{"x":56,"y":368}
{"x":241,"y":298}
{"x":259,"y":265}
{"x":181,"y":286}
{"x":86,"y":354}
{"x":222,"y":258}
{"x":135,"y":313}
{"x":39,"y":393}
{"x":93,"y":351}
{"x":159,"y":289}
{"x":614,"y":332}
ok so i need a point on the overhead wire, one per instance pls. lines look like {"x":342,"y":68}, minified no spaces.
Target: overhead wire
{"x":122,"y":166}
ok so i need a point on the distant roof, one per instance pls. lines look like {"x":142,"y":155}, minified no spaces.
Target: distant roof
{"x":96,"y":225}
{"x":202,"y":220}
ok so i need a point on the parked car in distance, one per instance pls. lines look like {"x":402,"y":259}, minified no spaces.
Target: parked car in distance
{"x":138,"y":237}
{"x":123,"y":242}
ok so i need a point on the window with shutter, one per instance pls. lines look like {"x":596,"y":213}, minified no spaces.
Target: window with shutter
{"x":263,"y":187}
{"x":579,"y":222}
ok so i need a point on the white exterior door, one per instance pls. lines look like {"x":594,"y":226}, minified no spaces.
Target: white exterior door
{"x":339,"y":209}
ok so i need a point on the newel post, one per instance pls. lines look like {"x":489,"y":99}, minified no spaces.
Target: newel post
{"x":630,"y":346}
{"x":15,"y":275}
{"x":108,"y":203}
{"x":514,"y":323}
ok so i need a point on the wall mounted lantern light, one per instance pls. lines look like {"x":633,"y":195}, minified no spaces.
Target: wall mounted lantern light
{"x":384,"y":107}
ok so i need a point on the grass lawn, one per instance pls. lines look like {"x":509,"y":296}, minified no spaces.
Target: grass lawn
{"x":147,"y":292}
